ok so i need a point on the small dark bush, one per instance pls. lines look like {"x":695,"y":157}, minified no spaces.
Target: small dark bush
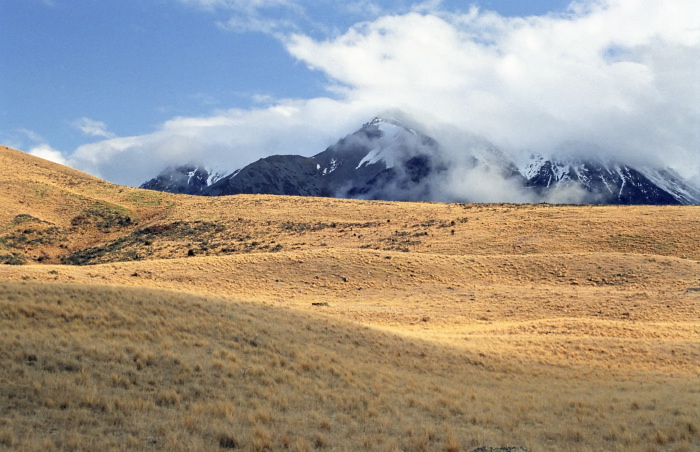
{"x":227,"y":441}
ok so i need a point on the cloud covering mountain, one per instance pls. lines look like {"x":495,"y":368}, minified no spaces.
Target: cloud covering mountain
{"x":387,"y":160}
{"x":615,"y":79}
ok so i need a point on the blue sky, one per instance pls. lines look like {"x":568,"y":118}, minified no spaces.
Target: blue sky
{"x":123,"y":88}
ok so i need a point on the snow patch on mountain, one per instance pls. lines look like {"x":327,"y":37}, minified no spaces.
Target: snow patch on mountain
{"x":394,"y":141}
{"x":192,"y":179}
{"x":216,"y":175}
{"x":333,"y":166}
{"x":533,"y":166}
{"x":377,"y":155}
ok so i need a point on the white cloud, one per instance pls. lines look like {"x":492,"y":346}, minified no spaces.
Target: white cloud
{"x":620,"y":74}
{"x":617,"y":76}
{"x":281,"y":17}
{"x":31,"y":135}
{"x":93,"y":128}
{"x":265,"y":16}
{"x":228,"y":140}
{"x":23,"y":139}
{"x":256,"y":23}
{"x":47,"y":152}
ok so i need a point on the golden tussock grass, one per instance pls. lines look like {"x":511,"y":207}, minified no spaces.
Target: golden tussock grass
{"x":54,"y":214}
{"x":88,"y":367}
{"x":271,"y":323}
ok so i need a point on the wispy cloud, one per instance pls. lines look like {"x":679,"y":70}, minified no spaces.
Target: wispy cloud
{"x":31,"y":135}
{"x":204,"y":99}
{"x":93,"y":128}
{"x":243,"y":23}
{"x":280,"y":18}
{"x":274,"y":17}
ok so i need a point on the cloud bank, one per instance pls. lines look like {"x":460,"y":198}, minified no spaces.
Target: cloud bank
{"x":618,"y":78}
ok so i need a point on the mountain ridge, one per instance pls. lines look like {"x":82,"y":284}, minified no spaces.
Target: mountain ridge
{"x":388,"y":160}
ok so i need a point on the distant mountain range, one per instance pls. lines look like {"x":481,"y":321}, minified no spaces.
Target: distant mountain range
{"x":385,"y":159}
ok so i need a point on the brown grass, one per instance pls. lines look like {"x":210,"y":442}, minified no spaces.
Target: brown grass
{"x":304,"y":324}
{"x":54,"y":214}
{"x":90,"y":367}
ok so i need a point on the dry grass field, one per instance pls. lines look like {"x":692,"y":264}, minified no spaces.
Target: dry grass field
{"x":137,"y":320}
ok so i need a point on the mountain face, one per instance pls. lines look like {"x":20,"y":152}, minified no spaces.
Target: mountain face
{"x":380,"y":149}
{"x":276,"y":175}
{"x":387,"y":160}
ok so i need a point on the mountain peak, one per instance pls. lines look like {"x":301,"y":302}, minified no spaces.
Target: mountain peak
{"x":378,"y":121}
{"x":191,"y":179}
{"x":374,"y":122}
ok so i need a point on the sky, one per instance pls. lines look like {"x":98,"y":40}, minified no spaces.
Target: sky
{"x":123,"y":88}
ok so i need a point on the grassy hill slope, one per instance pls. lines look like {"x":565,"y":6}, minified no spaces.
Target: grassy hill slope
{"x":54,"y":214}
{"x":87,"y":367}
{"x":145,"y":320}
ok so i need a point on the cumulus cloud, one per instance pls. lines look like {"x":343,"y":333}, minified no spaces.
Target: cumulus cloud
{"x":618,"y":74}
{"x":227,"y":140}
{"x":47,"y":152}
{"x":617,"y":78}
{"x":34,"y":143}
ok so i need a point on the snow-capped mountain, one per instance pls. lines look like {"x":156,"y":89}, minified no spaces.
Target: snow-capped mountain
{"x":187,"y":179}
{"x":378,"y":146}
{"x":609,"y":182}
{"x":382,"y":153}
{"x":386,"y":159}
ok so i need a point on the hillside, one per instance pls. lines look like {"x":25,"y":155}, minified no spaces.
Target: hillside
{"x":50,"y":210}
{"x":263,"y":322}
{"x":54,"y":214}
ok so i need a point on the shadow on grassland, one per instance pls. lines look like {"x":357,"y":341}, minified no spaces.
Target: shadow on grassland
{"x":87,"y":367}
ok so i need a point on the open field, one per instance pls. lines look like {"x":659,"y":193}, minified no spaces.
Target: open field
{"x":269,"y":323}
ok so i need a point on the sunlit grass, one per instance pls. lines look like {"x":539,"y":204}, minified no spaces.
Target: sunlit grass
{"x":282,"y":323}
{"x":88,"y":368}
